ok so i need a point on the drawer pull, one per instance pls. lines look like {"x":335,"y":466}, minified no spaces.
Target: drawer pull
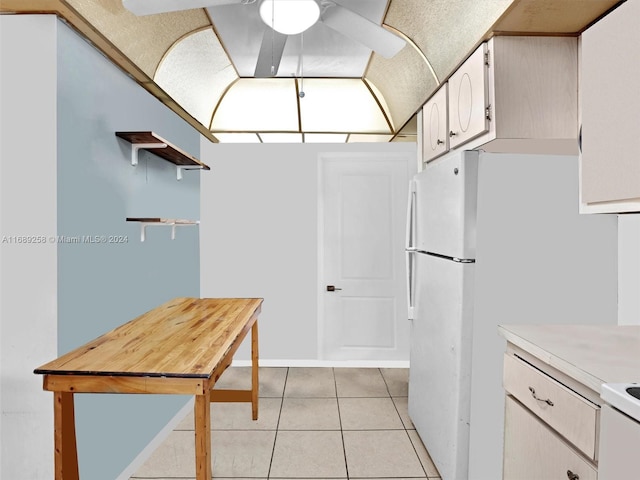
{"x":572,"y":476}
{"x":548,"y":402}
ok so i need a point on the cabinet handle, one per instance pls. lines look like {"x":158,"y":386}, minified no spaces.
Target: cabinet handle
{"x":547,"y":401}
{"x":452,"y":133}
{"x":439,"y":142}
{"x":572,"y":476}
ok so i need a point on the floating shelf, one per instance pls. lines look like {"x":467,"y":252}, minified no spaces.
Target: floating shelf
{"x":168,"y":222}
{"x":159,"y":146}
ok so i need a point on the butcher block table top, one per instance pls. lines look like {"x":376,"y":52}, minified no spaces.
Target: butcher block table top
{"x":181,"y":347}
{"x":185,"y":337}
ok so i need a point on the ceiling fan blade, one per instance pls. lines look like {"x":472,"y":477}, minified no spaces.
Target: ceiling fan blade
{"x":361,"y":29}
{"x":270,"y":53}
{"x":150,"y":7}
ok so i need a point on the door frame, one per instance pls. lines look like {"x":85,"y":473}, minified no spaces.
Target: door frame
{"x":409,"y":158}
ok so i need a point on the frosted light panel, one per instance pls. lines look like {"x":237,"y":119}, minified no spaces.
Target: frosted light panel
{"x":237,"y":137}
{"x":258,"y":105}
{"x":325,"y":137}
{"x":340,"y":105}
{"x":381,"y":100}
{"x":359,"y":138}
{"x":281,"y":137}
{"x":195,"y":73}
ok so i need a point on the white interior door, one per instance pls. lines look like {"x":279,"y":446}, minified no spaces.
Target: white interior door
{"x":362,"y":271}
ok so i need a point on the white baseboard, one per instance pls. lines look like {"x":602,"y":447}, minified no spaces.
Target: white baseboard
{"x":144,"y":455}
{"x":326,"y":363}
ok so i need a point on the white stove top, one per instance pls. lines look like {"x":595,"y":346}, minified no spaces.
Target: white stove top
{"x":616,"y":395}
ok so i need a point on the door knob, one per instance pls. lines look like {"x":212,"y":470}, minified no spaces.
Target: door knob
{"x":332,"y":288}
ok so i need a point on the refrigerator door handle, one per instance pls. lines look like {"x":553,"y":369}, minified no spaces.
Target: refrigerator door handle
{"x":410,"y":237}
{"x":410,"y":259}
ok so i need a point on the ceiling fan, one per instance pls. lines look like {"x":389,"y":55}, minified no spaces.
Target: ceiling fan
{"x":306,"y":12}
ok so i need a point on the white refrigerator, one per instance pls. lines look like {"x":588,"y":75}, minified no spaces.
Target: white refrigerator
{"x":493,"y":239}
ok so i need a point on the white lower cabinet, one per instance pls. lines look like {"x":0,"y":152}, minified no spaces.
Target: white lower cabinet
{"x":550,"y":430}
{"x":563,"y":410}
{"x":533,"y":451}
{"x":557,"y":422}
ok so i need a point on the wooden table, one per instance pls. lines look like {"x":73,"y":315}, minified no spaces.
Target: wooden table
{"x":181,"y":347}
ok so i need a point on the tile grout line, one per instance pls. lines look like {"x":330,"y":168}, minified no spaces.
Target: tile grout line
{"x":275,"y":438}
{"x":336,"y":397}
{"x":344,"y":448}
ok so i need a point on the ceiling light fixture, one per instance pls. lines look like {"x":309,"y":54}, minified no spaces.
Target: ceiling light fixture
{"x":289,"y":17}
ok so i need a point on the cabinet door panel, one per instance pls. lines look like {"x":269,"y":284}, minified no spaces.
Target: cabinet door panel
{"x":532,"y":451}
{"x":436,"y":133}
{"x":610,"y":101}
{"x":468,"y":99}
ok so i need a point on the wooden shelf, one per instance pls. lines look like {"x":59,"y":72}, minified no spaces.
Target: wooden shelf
{"x":159,"y":146}
{"x":169,"y":222}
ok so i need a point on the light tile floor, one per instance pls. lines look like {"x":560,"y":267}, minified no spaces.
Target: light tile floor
{"x":314,"y":423}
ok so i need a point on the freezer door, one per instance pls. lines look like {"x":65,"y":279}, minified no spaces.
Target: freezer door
{"x":446,"y":205}
{"x":440,"y":366}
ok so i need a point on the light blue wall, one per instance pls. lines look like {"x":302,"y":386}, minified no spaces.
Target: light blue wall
{"x":101,"y":286}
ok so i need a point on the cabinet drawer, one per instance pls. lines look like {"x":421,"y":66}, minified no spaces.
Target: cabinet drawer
{"x":532,"y":451}
{"x":565,"y":411}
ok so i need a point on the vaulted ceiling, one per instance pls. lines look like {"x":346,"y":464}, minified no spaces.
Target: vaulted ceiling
{"x":199,"y":62}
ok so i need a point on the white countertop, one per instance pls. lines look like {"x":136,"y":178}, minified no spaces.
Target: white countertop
{"x":590,"y":354}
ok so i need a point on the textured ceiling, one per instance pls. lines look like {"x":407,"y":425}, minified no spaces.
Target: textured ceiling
{"x":145,"y":40}
{"x":179,"y":57}
{"x":405,"y":82}
{"x":443,"y":41}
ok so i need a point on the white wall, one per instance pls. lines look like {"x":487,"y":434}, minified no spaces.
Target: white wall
{"x":28,"y":272}
{"x":629,"y":269}
{"x":258,"y":237}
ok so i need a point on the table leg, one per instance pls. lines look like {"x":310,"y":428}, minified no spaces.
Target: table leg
{"x":66,"y":454}
{"x":202,"y":415}
{"x":255,"y":385}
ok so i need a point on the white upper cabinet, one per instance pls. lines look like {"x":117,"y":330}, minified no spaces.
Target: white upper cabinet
{"x":435,"y":140}
{"x":533,"y":95}
{"x":469,"y":99}
{"x":514,"y":94}
{"x":610,"y":112}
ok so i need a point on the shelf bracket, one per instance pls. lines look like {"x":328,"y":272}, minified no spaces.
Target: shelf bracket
{"x":173,"y":225}
{"x":135,"y":148}
{"x":180,"y":168}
